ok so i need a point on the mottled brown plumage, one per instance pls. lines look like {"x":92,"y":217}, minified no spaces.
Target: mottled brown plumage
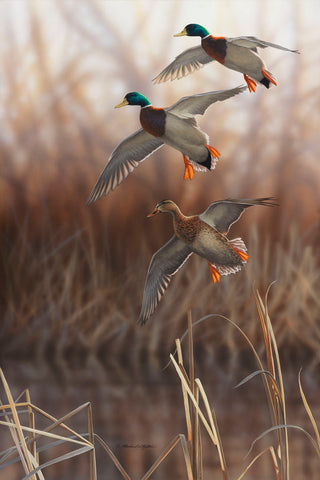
{"x":203,"y":234}
{"x":186,"y":228}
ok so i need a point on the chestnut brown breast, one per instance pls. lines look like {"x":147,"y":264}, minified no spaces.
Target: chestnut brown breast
{"x":153,"y":120}
{"x":216,"y":47}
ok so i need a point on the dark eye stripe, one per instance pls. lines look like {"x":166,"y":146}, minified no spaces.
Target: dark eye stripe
{"x":163,"y":202}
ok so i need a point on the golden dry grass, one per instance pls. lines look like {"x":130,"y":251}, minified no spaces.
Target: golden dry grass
{"x":20,"y":417}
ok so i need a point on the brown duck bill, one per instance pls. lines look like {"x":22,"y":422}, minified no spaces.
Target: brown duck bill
{"x":155,"y":212}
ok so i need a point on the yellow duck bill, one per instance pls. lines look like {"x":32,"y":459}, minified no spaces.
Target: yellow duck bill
{"x":181,"y":34}
{"x":122,"y":104}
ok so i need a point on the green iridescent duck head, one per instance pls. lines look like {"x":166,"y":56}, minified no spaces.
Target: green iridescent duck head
{"x":193,"y":30}
{"x":134,"y":98}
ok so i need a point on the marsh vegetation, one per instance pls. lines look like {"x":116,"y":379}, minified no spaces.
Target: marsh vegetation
{"x":72,"y":276}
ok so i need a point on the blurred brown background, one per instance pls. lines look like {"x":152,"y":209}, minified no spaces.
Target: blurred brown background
{"x":72,"y":276}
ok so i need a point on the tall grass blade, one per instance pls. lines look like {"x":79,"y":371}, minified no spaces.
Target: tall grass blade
{"x":31,"y":442}
{"x":18,"y":447}
{"x":114,"y":459}
{"x":187,"y":458}
{"x":284,"y":427}
{"x":197,"y":440}
{"x":185,"y":395}
{"x":183,"y":380}
{"x":61,"y":458}
{"x":93,"y":467}
{"x":192,"y":384}
{"x":165,"y":453}
{"x":271,"y":451}
{"x":271,"y":350}
{"x":281,"y":403}
{"x":44,"y":433}
{"x":263,"y":372}
{"x":308,"y":410}
{"x":214,"y":428}
{"x":24,"y":450}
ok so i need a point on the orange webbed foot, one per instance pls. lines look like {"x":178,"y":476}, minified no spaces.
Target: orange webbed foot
{"x":244,"y":256}
{"x":268,"y":77}
{"x":251,"y":83}
{"x":213,"y":151}
{"x":214,"y":273}
{"x":188,"y":170}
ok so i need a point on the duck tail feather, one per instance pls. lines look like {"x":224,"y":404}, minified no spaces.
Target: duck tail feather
{"x":267,"y":78}
{"x":265,"y":82}
{"x":209,"y":164}
{"x":226,"y":269}
{"x":238,"y":245}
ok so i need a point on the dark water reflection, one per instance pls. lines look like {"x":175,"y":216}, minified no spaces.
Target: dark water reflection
{"x":138,"y":419}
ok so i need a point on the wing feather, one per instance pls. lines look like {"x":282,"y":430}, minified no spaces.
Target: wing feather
{"x":252,"y":43}
{"x":124,"y":158}
{"x":187,"y":62}
{"x":198,"y":104}
{"x":164,"y":264}
{"x":222,"y":214}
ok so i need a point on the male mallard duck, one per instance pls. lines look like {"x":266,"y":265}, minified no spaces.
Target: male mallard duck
{"x":204,"y":234}
{"x":239,"y":53}
{"x":176,"y":126}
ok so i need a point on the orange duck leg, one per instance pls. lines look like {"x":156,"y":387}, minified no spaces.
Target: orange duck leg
{"x":244,"y":256}
{"x":188,"y":170}
{"x":214,"y":273}
{"x":268,"y":77}
{"x":213,"y":151}
{"x":251,"y":83}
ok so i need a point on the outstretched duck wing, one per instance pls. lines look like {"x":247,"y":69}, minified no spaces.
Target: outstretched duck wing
{"x":124,"y":158}
{"x":222,"y":214}
{"x":252,"y":43}
{"x":198,"y":104}
{"x":187,"y":62}
{"x":164,"y":263}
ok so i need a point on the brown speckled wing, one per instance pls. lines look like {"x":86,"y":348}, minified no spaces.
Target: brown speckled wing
{"x":124,"y":158}
{"x":222,"y":214}
{"x":164,"y":263}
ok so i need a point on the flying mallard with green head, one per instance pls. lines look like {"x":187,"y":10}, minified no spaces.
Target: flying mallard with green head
{"x":175,"y":126}
{"x":238,"y":53}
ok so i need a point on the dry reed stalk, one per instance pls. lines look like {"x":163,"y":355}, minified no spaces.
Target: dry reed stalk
{"x":195,"y":415}
{"x":113,"y":458}
{"x":273,"y":382}
{"x":15,"y":424}
{"x":189,"y":389}
{"x":277,"y":396}
{"x":27,"y":449}
{"x":309,"y":413}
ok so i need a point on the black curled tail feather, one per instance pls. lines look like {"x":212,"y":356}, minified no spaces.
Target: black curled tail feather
{"x":207,"y":163}
{"x":265,"y":82}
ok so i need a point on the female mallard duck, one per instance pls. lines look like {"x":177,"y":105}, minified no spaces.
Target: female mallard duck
{"x":239,"y":53}
{"x":176,"y":126}
{"x":204,"y":234}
